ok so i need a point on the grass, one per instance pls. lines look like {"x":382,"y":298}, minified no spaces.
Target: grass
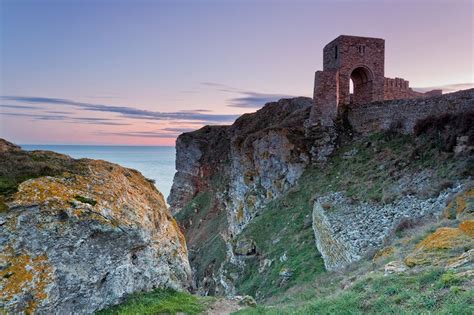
{"x":202,"y":225}
{"x":159,"y":302}
{"x":83,"y":199}
{"x":369,"y":175}
{"x":282,"y":230}
{"x":425,"y":292}
{"x":17,"y":166}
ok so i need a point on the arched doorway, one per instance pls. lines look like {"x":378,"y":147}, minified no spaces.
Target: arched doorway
{"x":361,"y":86}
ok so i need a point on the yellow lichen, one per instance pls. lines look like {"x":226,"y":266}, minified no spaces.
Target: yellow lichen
{"x":467,"y":227}
{"x":442,"y":238}
{"x":3,"y":205}
{"x":384,"y":252}
{"x":24,"y":274}
{"x":463,"y":203}
{"x":249,"y":177}
{"x":269,"y":194}
{"x":251,"y":201}
{"x":440,"y":246}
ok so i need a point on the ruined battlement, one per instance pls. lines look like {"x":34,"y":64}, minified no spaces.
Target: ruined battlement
{"x":359,"y":61}
{"x":397,"y":83}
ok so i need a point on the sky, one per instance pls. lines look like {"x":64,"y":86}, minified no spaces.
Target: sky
{"x":117,"y":72}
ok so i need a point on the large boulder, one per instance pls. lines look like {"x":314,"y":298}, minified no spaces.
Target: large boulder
{"x":83,"y":238}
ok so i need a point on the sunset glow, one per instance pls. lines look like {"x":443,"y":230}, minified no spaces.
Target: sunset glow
{"x":142,"y":72}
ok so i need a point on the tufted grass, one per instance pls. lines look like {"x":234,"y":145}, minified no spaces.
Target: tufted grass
{"x":429,"y":292}
{"x":159,"y":302}
{"x":83,"y":199}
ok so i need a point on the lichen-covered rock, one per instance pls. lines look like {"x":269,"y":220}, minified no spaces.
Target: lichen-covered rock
{"x":444,"y":247}
{"x":346,"y":231}
{"x":462,"y":206}
{"x":79,"y":241}
{"x":395,"y":266}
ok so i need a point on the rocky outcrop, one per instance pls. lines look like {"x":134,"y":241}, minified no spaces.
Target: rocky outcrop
{"x":84,"y":236}
{"x":240,"y":168}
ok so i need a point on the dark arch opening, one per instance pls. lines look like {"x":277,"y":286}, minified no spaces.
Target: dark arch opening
{"x":361,"y":86}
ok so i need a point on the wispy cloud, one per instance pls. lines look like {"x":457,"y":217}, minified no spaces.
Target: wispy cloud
{"x":37,"y":116}
{"x":18,"y":106}
{"x":127,"y":111}
{"x":255,"y":99}
{"x":64,"y":118}
{"x":447,"y":88}
{"x":179,"y":130}
{"x":140,"y":134}
{"x":245,"y":98}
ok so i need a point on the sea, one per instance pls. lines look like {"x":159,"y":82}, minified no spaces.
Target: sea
{"x":157,"y":163}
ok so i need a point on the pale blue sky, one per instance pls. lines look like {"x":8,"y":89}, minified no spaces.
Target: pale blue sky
{"x":179,"y":58}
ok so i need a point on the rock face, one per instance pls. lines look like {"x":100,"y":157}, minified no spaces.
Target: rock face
{"x":83,"y":239}
{"x":225,"y":174}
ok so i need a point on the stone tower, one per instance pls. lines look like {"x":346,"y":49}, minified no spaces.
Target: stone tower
{"x":360,"y":59}
{"x":349,"y":57}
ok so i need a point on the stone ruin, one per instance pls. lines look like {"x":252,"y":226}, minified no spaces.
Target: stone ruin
{"x":360,"y":59}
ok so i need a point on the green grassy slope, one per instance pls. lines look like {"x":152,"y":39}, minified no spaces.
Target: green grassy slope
{"x":367,"y":170}
{"x":159,"y":302}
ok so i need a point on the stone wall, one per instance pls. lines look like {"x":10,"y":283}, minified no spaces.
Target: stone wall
{"x":376,"y":116}
{"x":398,"y":88}
{"x":325,"y":96}
{"x":346,"y":231}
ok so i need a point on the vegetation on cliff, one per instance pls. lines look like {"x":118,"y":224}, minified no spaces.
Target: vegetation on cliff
{"x":368,"y":169}
{"x":159,"y":302}
{"x":440,"y":283}
{"x":273,"y":257}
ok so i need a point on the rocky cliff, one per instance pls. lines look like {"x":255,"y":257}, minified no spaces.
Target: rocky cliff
{"x":79,"y":235}
{"x":225,"y":174}
{"x":268,"y":202}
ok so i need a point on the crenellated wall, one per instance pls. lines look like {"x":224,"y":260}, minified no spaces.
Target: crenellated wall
{"x":399,"y":88}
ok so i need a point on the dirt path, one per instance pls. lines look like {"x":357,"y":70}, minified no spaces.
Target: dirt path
{"x":225,"y":306}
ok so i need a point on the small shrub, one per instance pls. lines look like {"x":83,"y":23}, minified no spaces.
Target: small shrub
{"x":83,"y":199}
{"x":444,"y":129}
{"x":150,"y":180}
{"x":450,"y":279}
{"x":405,"y":224}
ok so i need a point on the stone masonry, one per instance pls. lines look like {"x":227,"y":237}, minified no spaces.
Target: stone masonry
{"x":360,"y":59}
{"x":403,"y":114}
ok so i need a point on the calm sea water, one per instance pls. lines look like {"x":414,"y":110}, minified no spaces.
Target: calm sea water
{"x":153,"y":162}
